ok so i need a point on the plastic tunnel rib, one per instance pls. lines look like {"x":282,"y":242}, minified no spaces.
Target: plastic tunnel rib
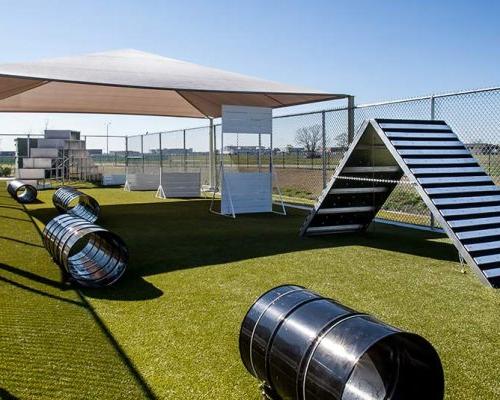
{"x":462,"y":197}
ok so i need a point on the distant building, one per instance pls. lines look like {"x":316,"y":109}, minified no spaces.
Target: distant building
{"x":123,"y":153}
{"x":95,"y":152}
{"x":7,"y":153}
{"x":292,"y":149}
{"x":232,"y":150}
{"x":335,"y":149}
{"x":172,"y":152}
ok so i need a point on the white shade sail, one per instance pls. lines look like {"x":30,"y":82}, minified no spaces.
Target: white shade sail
{"x":135,"y":82}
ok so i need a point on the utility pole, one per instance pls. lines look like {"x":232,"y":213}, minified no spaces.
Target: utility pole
{"x":107,"y":138}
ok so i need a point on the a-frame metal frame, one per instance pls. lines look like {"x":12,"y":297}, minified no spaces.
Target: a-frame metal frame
{"x":462,"y":197}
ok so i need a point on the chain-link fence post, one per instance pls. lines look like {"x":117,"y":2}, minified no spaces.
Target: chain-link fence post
{"x":142,"y":152}
{"x":126,"y":157}
{"x":184,"y":150}
{"x":211,"y":155}
{"x":433,"y":117}
{"x":323,"y":146}
{"x":161,"y":160}
{"x":350,"y":119}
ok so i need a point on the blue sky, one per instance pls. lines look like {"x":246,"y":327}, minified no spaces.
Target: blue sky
{"x":376,"y":50}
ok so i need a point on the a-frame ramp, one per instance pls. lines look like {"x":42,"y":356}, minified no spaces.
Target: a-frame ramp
{"x":462,"y":197}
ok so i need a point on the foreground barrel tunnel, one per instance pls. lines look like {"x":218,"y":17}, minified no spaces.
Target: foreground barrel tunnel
{"x":69,"y":200}
{"x":22,"y":192}
{"x":90,"y":254}
{"x":304,"y":346}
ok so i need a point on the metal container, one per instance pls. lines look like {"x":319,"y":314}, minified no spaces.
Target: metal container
{"x":92,"y":255}
{"x":69,"y":200}
{"x":23,"y":192}
{"x":304,"y":346}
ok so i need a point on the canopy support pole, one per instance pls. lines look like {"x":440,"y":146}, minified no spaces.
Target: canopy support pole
{"x":211,"y":155}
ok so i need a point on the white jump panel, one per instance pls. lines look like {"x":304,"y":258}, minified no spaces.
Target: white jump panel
{"x":181,"y":184}
{"x":143,"y":181}
{"x":245,"y":119}
{"x":113,"y":179}
{"x":248,"y":192}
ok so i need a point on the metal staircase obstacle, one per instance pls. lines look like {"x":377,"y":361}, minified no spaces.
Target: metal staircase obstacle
{"x":462,"y":197}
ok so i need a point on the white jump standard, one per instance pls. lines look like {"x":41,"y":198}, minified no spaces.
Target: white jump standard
{"x":247,"y":192}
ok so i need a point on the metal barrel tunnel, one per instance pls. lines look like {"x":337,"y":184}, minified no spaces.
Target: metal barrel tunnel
{"x":22,"y":192}
{"x":304,"y":346}
{"x":69,"y":200}
{"x":90,"y":254}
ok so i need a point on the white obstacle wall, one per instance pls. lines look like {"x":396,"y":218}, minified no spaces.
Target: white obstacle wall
{"x":175,"y":184}
{"x":181,"y":184}
{"x":140,"y":181}
{"x":113,"y":179}
{"x":246,"y":192}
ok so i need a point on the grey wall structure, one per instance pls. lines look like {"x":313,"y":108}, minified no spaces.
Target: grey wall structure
{"x":462,"y":197}
{"x":307,"y":347}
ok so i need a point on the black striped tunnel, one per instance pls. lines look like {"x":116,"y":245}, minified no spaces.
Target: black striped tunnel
{"x":304,"y":346}
{"x":22,"y":192}
{"x":92,"y":255}
{"x":69,"y":200}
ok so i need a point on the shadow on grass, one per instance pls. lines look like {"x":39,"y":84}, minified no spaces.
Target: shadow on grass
{"x":5,"y":395}
{"x":176,"y":235}
{"x":40,"y":303}
{"x":20,"y":241}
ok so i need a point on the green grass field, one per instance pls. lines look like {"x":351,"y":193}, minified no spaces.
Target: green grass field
{"x":169,"y":329}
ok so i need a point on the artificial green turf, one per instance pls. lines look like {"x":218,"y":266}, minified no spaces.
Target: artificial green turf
{"x":193,"y":275}
{"x":51,"y":344}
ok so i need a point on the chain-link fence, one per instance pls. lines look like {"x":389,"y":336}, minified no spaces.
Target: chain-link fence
{"x":473,"y":115}
{"x":306,"y":147}
{"x":107,"y":152}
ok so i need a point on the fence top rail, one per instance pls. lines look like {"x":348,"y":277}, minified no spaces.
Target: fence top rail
{"x":103,"y":136}
{"x":428,"y":97}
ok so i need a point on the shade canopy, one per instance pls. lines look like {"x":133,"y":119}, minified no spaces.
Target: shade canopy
{"x":135,"y":82}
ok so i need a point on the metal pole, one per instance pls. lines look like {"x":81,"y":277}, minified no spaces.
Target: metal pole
{"x":29,"y":146}
{"x":126,"y":156}
{"x":184,"y":148}
{"x":161,"y":160}
{"x":271,"y":157}
{"x":433,"y":107}
{"x":323,"y":151}
{"x":350,"y":119}
{"x":433,"y":117}
{"x":107,"y":138}
{"x":63,"y":169}
{"x":259,"y":160}
{"x":142,"y":152}
{"x":211,"y":155}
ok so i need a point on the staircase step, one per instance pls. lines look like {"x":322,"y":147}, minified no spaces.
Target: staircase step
{"x":333,"y":228}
